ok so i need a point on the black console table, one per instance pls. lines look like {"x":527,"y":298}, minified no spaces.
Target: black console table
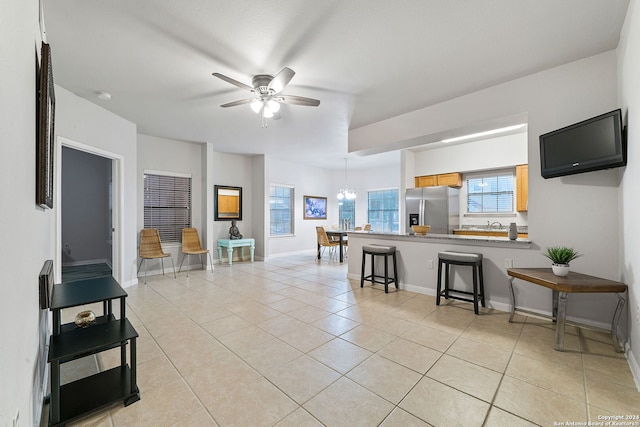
{"x":68,"y":342}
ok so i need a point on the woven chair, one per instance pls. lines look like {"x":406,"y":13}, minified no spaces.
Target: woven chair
{"x":150,"y":248}
{"x":324,"y":242}
{"x":191,"y":246}
{"x":367,"y":227}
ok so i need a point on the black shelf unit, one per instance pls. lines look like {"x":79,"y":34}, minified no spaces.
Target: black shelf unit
{"x":68,"y":342}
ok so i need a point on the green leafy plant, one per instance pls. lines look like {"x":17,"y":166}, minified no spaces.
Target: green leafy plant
{"x":561,"y":254}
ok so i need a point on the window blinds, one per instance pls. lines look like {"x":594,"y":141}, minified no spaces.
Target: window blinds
{"x":167,"y":205}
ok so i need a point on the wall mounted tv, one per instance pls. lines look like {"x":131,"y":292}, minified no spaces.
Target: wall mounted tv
{"x":593,"y":144}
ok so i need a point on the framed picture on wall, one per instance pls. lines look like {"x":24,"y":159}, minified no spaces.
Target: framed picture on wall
{"x":46,"y":101}
{"x":315,"y":207}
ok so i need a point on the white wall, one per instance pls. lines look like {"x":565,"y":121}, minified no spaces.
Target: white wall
{"x":27,"y":230}
{"x":83,"y":122}
{"x":629,"y":94}
{"x":579,"y":211}
{"x":172,"y":156}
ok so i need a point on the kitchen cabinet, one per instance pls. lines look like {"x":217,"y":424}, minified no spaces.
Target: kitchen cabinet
{"x":69,"y":342}
{"x":522,"y":187}
{"x":453,"y":179}
{"x":488,"y":233}
{"x":426,"y":181}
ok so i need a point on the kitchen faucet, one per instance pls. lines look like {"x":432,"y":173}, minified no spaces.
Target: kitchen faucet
{"x":494,"y":223}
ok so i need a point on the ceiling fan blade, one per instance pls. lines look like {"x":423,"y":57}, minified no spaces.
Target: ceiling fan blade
{"x":298,"y":100}
{"x":281,"y":79}
{"x":232,"y":81}
{"x":240,"y":102}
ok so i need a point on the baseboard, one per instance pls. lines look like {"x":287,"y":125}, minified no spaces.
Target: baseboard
{"x":88,"y":262}
{"x":633,"y":365}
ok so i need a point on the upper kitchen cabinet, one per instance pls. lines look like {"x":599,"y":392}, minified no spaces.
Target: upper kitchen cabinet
{"x":522,"y":186}
{"x":453,"y":179}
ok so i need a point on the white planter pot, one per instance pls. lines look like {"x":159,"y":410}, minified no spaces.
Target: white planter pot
{"x":560,"y":269}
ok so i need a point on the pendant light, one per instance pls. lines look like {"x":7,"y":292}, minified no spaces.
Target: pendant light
{"x":346,"y":192}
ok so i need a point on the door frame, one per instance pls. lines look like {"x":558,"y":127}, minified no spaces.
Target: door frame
{"x":117,"y":201}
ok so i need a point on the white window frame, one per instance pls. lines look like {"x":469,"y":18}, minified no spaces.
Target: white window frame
{"x":292,"y":211}
{"x":489,"y":174}
{"x":373,"y":227}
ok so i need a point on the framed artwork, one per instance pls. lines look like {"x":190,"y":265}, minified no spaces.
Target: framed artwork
{"x":315,"y":207}
{"x":46,"y":101}
{"x":227,"y":203}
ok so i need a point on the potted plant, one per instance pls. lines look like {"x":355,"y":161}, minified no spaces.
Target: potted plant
{"x":561,"y":256}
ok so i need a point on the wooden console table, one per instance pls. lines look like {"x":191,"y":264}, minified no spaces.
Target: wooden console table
{"x":235,"y":243}
{"x":562,"y":287}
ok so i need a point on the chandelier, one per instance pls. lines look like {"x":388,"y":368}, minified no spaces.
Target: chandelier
{"x":346,"y":192}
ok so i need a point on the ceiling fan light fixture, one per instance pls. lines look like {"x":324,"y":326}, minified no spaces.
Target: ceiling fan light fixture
{"x":274,"y":106}
{"x":266,"y":112}
{"x":256,"y":105}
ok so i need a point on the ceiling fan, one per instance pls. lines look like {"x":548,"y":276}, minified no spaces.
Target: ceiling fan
{"x":267,"y":93}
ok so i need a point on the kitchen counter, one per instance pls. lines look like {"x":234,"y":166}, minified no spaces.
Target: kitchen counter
{"x":494,"y":241}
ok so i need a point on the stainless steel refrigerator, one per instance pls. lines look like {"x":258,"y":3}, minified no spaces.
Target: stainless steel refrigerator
{"x":434,"y":206}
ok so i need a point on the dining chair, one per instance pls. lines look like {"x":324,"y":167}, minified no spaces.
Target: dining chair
{"x":324,"y":242}
{"x":191,"y":246}
{"x":151,"y":248}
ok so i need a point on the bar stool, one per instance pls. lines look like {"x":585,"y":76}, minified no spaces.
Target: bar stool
{"x":472,"y":260}
{"x":386,"y":252}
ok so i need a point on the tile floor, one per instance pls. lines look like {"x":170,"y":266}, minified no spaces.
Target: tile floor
{"x":292,"y":342}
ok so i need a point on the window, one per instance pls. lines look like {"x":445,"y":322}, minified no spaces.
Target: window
{"x":167,"y":204}
{"x":347,"y":211}
{"x":382,"y":212}
{"x":490,"y":193}
{"x":281,"y":204}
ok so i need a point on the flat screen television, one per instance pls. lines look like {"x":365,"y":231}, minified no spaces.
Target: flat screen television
{"x":593,"y":144}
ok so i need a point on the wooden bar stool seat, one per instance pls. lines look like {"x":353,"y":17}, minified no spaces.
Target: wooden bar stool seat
{"x":383,"y":251}
{"x":473,"y":260}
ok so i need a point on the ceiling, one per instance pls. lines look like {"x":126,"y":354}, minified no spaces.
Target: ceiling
{"x":365,"y":60}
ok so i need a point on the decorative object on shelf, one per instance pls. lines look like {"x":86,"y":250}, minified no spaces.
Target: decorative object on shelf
{"x":346,"y":192}
{"x":46,"y":102}
{"x":85,"y":318}
{"x":267,"y":97}
{"x":315,"y":207}
{"x":513,"y":231}
{"x":234,"y":232}
{"x":421,"y":230}
{"x":561,"y":256}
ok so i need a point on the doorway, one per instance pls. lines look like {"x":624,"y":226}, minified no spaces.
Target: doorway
{"x":87,"y":213}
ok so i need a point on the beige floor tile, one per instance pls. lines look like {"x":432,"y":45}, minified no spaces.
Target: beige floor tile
{"x":441,"y":405}
{"x":340,"y":355}
{"x":200,"y":418}
{"x":244,"y":339}
{"x":542,"y":349}
{"x":495,"y":337}
{"x":608,"y":368}
{"x":385,"y":378}
{"x":161,"y":406}
{"x":536,"y":404}
{"x":175,"y":340}
{"x":617,"y":399}
{"x":335,"y":324}
{"x":401,"y":418}
{"x":368,"y":337}
{"x":258,"y":403}
{"x":225,"y":325}
{"x":433,"y":338}
{"x":263,"y":356}
{"x":306,"y":338}
{"x":480,"y":354}
{"x":98,"y":419}
{"x":475,"y":380}
{"x":286,"y":305}
{"x":299,"y":418}
{"x":443,"y":321}
{"x":155,"y":373}
{"x":499,"y":418}
{"x":280,"y":325}
{"x":308,"y":314}
{"x":412,"y":355}
{"x":345,"y":403}
{"x":549,"y":375}
{"x":390,"y":324}
{"x":302,"y":378}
